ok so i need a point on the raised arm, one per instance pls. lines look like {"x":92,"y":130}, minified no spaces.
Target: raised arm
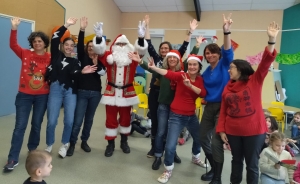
{"x":13,"y":43}
{"x":80,"y":44}
{"x":99,"y":44}
{"x":151,"y":50}
{"x":193,"y":26}
{"x":226,"y":30}
{"x":147,"y":21}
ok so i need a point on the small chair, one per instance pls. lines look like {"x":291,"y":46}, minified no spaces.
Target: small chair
{"x":278,"y":114}
{"x":198,"y":107}
{"x":277,"y":103}
{"x":143,"y":103}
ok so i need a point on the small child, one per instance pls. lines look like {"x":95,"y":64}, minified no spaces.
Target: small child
{"x":136,"y":124}
{"x":272,"y":172}
{"x":295,"y":125}
{"x":38,"y":166}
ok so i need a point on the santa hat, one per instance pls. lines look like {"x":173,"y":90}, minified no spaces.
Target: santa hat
{"x":195,"y":57}
{"x":215,"y":39}
{"x":204,"y":40}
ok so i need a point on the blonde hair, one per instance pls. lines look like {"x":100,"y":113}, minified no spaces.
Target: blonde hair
{"x":165,"y":64}
{"x":35,"y":160}
{"x":277,"y":136}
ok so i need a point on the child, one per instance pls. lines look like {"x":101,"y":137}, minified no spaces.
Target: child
{"x":136,"y":124}
{"x":272,"y":172}
{"x":38,"y":166}
{"x":295,"y":125}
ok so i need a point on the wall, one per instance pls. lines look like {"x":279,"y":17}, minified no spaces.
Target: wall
{"x":290,"y":45}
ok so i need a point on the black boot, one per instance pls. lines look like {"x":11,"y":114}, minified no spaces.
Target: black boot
{"x":85,"y":146}
{"x":208,"y":175}
{"x":156,"y":164}
{"x":71,"y":149}
{"x":217,"y":179}
{"x":124,"y":145}
{"x":110,"y":148}
{"x":177,"y":159}
{"x":150,"y":154}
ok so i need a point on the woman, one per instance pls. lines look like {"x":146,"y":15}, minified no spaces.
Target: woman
{"x":241,"y":124}
{"x":215,"y":78}
{"x":164,"y":48}
{"x":89,"y":91}
{"x":189,"y":86}
{"x":33,"y":91}
{"x":62,"y":72}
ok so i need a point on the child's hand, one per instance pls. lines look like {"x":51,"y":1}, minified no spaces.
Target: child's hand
{"x":277,"y":166}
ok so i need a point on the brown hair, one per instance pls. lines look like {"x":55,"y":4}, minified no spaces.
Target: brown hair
{"x":35,"y":160}
{"x":297,"y":113}
{"x":276,"y":136}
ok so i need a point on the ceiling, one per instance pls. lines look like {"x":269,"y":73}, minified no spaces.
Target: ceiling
{"x":206,"y":5}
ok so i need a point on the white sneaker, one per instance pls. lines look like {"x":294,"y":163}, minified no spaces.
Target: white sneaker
{"x":164,"y":178}
{"x":63,"y":150}
{"x":198,"y":161}
{"x":49,"y":149}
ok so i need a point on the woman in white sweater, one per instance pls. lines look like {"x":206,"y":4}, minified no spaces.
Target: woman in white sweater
{"x":271,"y":172}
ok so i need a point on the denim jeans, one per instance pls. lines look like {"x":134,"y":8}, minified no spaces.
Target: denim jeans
{"x":87,"y":103}
{"x":295,"y":131}
{"x":163,"y":112}
{"x":58,"y":95}
{"x":176,"y":123}
{"x":268,"y":180}
{"x":24,"y":103}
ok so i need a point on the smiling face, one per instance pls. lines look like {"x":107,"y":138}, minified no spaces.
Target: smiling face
{"x":38,"y":44}
{"x":211,"y":57}
{"x":68,"y":47}
{"x":90,"y":48}
{"x":172,"y":62}
{"x":163,"y":50}
{"x":193,"y":67}
{"x":233,"y":72}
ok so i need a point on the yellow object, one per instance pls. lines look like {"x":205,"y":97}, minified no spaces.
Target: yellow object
{"x":277,"y":103}
{"x":138,"y":89}
{"x":199,"y":108}
{"x":143,"y":103}
{"x":134,"y":110}
{"x":88,"y":38}
{"x":278,"y":114}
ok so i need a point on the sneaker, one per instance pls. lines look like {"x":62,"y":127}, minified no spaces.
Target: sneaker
{"x":63,"y":150}
{"x":10,"y":165}
{"x":49,"y":149}
{"x":199,"y":162}
{"x":164,"y":178}
{"x":147,"y":134}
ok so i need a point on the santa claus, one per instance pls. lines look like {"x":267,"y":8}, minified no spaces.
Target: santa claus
{"x":119,"y":95}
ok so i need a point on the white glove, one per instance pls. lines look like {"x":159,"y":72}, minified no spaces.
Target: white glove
{"x":141,"y":29}
{"x":102,"y":72}
{"x":98,"y":29}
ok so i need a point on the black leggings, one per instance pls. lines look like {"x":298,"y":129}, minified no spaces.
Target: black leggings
{"x":153,"y":106}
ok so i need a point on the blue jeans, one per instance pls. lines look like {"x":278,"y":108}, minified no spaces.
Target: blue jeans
{"x":176,"y":123}
{"x":295,"y":131}
{"x":58,"y":95}
{"x":87,"y":103}
{"x":162,"y":119}
{"x":268,"y":180}
{"x":24,"y":103}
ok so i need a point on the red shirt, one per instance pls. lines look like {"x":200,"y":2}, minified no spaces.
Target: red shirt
{"x":33,"y":69}
{"x":241,"y":108}
{"x":185,"y":97}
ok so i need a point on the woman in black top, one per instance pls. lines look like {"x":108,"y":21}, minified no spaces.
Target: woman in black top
{"x":61,"y":74}
{"x":89,"y":91}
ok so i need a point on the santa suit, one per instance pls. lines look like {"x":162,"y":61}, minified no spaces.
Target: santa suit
{"x":119,"y":95}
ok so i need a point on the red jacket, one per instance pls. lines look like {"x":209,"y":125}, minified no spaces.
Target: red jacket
{"x":241,"y":108}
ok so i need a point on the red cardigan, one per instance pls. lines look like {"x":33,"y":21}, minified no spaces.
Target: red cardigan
{"x":241,"y":109}
{"x":185,"y":97}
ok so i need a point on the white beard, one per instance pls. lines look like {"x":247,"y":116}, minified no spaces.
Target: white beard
{"x":120,"y":54}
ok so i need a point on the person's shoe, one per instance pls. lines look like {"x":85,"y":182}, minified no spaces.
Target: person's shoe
{"x":196,"y":160}
{"x":124,"y":146}
{"x":147,"y":134}
{"x":63,"y":150}
{"x":10,"y":166}
{"x":156,"y":164}
{"x":85,"y":146}
{"x":49,"y":149}
{"x":110,"y":148}
{"x":71,"y":149}
{"x":217,"y":179}
{"x":150,"y":154}
{"x":208,"y":176}
{"x":177,"y":159}
{"x":164,"y":178}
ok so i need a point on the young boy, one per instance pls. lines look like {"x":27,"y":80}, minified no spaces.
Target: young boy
{"x":38,"y":166}
{"x":295,"y":123}
{"x":136,"y":124}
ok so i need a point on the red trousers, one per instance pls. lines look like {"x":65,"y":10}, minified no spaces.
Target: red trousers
{"x":112,"y":122}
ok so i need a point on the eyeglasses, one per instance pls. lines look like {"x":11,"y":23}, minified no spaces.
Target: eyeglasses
{"x":121,"y":44}
{"x":231,"y":67}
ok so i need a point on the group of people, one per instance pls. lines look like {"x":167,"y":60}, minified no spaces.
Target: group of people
{"x":231,"y":114}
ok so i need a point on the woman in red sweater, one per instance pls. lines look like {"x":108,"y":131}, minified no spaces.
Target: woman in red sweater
{"x":242,"y":123}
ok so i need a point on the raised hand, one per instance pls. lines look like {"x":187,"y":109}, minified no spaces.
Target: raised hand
{"x":15,"y":21}
{"x":83,"y":23}
{"x":193,"y":25}
{"x":199,"y":40}
{"x":227,"y":23}
{"x":141,"y":29}
{"x":98,"y":29}
{"x":134,"y":56}
{"x":186,"y":81}
{"x":71,"y":21}
{"x":89,"y":69}
{"x":151,"y":64}
{"x":273,"y":30}
{"x":147,"y":20}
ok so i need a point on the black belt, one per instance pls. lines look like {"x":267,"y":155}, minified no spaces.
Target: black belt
{"x":119,"y":87}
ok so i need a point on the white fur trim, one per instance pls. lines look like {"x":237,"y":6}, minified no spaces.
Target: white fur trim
{"x":122,"y":39}
{"x":172,"y":54}
{"x":124,"y":130}
{"x":169,"y":168}
{"x":196,"y":156}
{"x":119,"y":78}
{"x":193,"y":58}
{"x":110,"y":59}
{"x":111,"y":132}
{"x":99,"y":48}
{"x":119,"y":101}
{"x":141,"y":50}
